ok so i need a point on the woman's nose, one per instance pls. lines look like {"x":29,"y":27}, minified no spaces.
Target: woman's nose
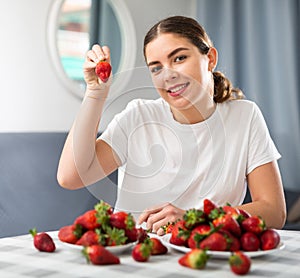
{"x":170,"y":74}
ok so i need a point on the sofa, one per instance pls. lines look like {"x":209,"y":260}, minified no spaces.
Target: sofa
{"x":29,"y":193}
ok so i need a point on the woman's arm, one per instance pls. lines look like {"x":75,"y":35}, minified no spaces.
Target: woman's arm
{"x":85,"y":160}
{"x":266,"y":190}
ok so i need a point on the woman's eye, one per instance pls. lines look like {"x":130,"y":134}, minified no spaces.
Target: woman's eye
{"x":155,"y":69}
{"x":180,"y":58}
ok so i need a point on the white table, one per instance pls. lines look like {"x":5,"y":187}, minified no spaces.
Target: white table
{"x":19,"y":258}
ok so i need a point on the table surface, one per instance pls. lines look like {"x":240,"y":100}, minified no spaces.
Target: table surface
{"x":19,"y":258}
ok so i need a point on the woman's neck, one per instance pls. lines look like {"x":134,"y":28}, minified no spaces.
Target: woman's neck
{"x":195,"y":113}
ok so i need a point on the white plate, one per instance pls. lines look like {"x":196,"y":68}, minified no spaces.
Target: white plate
{"x":113,"y":249}
{"x":219,"y":254}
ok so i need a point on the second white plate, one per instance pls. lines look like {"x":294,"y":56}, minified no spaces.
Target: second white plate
{"x":219,"y":254}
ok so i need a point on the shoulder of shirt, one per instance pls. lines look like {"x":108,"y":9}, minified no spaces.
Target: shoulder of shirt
{"x":150,"y":103}
{"x":240,"y":104}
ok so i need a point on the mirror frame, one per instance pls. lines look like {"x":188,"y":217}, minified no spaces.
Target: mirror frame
{"x":128,"y":42}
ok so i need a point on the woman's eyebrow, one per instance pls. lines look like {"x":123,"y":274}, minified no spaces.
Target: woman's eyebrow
{"x":174,"y":52}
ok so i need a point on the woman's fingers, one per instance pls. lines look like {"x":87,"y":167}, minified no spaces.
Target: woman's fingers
{"x":150,"y":211}
{"x":157,"y":217}
{"x":98,"y":53}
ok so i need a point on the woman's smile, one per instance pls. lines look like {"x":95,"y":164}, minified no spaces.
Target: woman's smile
{"x":177,"y":90}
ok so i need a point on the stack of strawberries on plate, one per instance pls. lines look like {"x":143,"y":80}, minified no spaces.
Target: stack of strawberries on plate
{"x":221,"y":229}
{"x":101,"y":227}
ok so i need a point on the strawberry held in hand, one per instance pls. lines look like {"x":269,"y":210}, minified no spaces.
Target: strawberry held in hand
{"x":103,"y":70}
{"x":42,"y":241}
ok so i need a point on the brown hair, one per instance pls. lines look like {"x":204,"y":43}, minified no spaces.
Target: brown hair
{"x":190,"y":29}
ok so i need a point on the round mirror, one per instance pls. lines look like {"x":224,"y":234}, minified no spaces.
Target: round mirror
{"x":75,"y":25}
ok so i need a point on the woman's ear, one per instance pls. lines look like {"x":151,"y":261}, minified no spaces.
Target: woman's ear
{"x":213,"y":58}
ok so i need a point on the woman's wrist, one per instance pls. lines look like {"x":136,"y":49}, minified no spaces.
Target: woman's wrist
{"x":99,"y":93}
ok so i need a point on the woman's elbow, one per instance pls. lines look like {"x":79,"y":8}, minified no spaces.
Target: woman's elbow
{"x":280,"y":219}
{"x":68,"y":180}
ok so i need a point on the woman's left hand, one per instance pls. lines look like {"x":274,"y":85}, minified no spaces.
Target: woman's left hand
{"x":158,"y":216}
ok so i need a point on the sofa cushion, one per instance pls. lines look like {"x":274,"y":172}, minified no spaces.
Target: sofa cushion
{"x":29,"y":193}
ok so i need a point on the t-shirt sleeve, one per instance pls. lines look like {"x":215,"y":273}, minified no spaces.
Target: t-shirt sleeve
{"x":262,"y":149}
{"x":116,"y":134}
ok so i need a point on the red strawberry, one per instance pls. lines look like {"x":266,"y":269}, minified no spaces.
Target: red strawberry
{"x":88,"y":220}
{"x":196,"y":259}
{"x":157,"y":247}
{"x":228,"y":223}
{"x":132,"y":235}
{"x":254,"y":224}
{"x":234,"y":212}
{"x":70,"y":234}
{"x":142,"y":235}
{"x":193,"y":217}
{"x":168,"y":227}
{"x":215,"y":242}
{"x":198,"y":234}
{"x":122,"y":220}
{"x":269,"y":239}
{"x":103,"y":70}
{"x":42,"y":241}
{"x":97,"y":254}
{"x":115,"y":236}
{"x":103,"y":208}
{"x":250,"y":241}
{"x":91,"y":237}
{"x":180,"y":234}
{"x":142,"y":251}
{"x":233,"y":243}
{"x":239,"y":263}
{"x":231,"y":210}
{"x":244,"y":213}
{"x":209,"y":206}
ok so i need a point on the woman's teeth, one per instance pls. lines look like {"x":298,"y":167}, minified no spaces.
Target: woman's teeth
{"x":176,"y":89}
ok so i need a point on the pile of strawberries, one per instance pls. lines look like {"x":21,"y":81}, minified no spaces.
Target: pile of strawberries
{"x":101,"y":227}
{"x":220,"y":229}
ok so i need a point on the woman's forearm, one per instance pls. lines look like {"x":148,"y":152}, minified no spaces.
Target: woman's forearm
{"x":78,"y":164}
{"x":274,"y":214}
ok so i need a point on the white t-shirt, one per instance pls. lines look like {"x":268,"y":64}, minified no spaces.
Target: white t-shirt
{"x":165,"y":161}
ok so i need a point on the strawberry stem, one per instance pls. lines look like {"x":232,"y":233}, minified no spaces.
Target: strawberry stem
{"x":33,"y":232}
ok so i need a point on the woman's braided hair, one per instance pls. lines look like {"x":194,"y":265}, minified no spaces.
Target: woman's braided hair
{"x":190,"y":29}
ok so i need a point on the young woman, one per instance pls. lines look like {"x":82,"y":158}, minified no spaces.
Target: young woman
{"x":198,"y":140}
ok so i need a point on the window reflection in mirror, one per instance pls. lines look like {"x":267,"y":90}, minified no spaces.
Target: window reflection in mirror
{"x":73,"y":38}
{"x":81,"y":24}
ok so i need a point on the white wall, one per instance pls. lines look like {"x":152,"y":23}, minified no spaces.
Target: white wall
{"x":32,"y":97}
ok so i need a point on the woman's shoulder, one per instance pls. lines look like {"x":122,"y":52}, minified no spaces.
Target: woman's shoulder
{"x":239,"y":105}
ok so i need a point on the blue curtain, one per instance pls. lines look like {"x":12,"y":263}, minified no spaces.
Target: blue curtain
{"x":258,"y":43}
{"x":105,"y":29}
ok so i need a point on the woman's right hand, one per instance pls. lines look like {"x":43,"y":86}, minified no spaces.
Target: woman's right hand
{"x":93,"y":56}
